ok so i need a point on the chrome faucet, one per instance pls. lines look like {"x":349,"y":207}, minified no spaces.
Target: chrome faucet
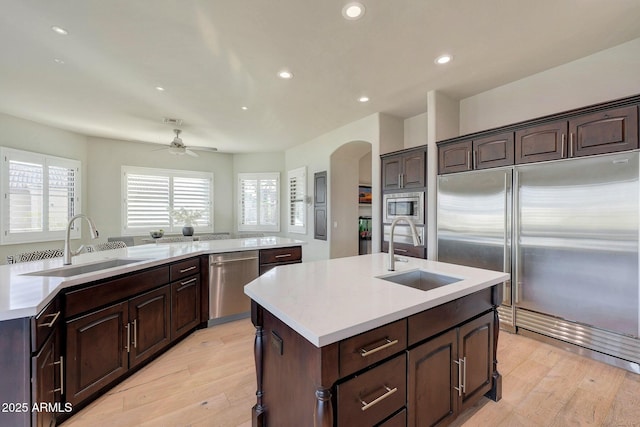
{"x":68,"y":253}
{"x":414,"y":234}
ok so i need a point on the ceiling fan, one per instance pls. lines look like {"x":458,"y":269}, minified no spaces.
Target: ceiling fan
{"x":177,"y":147}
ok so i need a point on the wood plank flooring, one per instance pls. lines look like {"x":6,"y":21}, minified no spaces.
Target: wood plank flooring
{"x":209,"y":380}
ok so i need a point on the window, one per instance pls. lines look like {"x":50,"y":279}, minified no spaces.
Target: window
{"x":297,"y":180}
{"x":40,"y":194}
{"x":149,"y":195}
{"x":258,"y":201}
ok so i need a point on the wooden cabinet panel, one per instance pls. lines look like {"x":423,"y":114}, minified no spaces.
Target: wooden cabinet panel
{"x":405,"y":250}
{"x":476,"y":351}
{"x":149,"y":318}
{"x":398,"y":420}
{"x":44,"y":323}
{"x":431,"y":378}
{"x":455,"y":157}
{"x":183,"y":269}
{"x":320,"y":204}
{"x":96,"y":353}
{"x":45,"y":371}
{"x":369,"y":398}
{"x":604,"y":132}
{"x":391,"y":170}
{"x":414,"y":170}
{"x":543,"y":142}
{"x":493,"y":151}
{"x":370,"y":347}
{"x":185,"y":306}
{"x":277,"y":255}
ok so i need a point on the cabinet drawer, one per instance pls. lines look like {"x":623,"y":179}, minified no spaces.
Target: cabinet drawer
{"x":185,"y":268}
{"x":280,"y":255}
{"x":372,"y":396}
{"x":44,"y":323}
{"x":398,"y":420}
{"x":373,"y":346}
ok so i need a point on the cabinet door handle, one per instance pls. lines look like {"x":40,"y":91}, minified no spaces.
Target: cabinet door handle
{"x":464,"y":374}
{"x":50,"y":324}
{"x":399,"y":250}
{"x":188,"y":281}
{"x":284,"y":256}
{"x":562,"y":145}
{"x":388,"y":392}
{"x":135,"y":333}
{"x":469,"y":159}
{"x":61,"y":363}
{"x":571,"y":144}
{"x":475,"y":159}
{"x":460,"y":386}
{"x":128,"y":337}
{"x":193,"y":267}
{"x":388,"y":343}
{"x":399,"y":180}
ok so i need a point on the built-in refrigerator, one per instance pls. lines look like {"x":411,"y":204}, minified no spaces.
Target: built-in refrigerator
{"x":572,"y":235}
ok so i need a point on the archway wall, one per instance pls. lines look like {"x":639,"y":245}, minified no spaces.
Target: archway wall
{"x":383,"y":132}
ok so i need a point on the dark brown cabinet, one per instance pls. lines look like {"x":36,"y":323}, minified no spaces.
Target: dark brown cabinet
{"x":604,"y":132}
{"x":320,"y":204}
{"x":185,"y":306}
{"x":104,"y":344}
{"x":481,"y":153}
{"x":405,"y":249}
{"x":406,"y":170}
{"x":543,"y":142}
{"x":459,"y":362}
{"x":270,"y":258}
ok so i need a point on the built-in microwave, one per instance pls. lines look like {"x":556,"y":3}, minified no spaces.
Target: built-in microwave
{"x":403,"y":204}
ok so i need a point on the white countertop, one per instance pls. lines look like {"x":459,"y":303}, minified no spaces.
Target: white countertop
{"x":326,"y":301}
{"x":24,"y":296}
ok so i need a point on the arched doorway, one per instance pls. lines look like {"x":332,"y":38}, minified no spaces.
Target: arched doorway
{"x":350,"y":167}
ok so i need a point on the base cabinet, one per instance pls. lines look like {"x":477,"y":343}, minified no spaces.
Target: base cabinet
{"x":104,"y":344}
{"x":185,"y":306}
{"x":47,"y":376}
{"x":449,"y":373}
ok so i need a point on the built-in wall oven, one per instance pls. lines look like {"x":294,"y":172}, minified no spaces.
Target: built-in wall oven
{"x":409,"y":205}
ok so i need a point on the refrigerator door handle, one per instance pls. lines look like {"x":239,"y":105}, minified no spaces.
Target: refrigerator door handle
{"x":515,"y":278}
{"x":507,"y":234}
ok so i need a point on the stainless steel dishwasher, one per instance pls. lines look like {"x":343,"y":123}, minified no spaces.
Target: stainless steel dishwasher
{"x":228,"y":273}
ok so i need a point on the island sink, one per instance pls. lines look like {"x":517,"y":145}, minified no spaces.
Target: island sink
{"x":84,"y":268}
{"x":420,"y":279}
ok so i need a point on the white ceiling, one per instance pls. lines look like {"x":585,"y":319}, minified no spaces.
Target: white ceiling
{"x":214,"y":56}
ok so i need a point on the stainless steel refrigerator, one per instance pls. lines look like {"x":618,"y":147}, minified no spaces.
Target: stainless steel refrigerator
{"x":574,"y":252}
{"x":474,"y":218}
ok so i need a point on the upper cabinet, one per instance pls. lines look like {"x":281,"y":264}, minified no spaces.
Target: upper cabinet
{"x":404,"y":170}
{"x":598,"y":129}
{"x":487,"y":152}
{"x":596,"y":133}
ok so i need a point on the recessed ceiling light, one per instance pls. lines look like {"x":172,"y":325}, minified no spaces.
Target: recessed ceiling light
{"x":353,"y":11}
{"x":159,"y":88}
{"x":60,"y":30}
{"x":244,"y":107}
{"x":58,"y":61}
{"x":363,"y":99}
{"x":443,"y":59}
{"x":285,"y":74}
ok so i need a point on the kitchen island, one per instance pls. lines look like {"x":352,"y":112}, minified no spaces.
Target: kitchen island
{"x":345,"y":342}
{"x":70,"y":332}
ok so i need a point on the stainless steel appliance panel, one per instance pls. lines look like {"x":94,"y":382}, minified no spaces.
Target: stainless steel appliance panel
{"x":474,"y":221}
{"x":403,"y":204}
{"x":577,"y":233}
{"x":402,"y":233}
{"x":228,"y":274}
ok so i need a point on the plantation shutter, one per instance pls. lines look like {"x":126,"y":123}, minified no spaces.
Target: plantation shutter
{"x":147,"y":201}
{"x":193,"y":194}
{"x":258,"y":201}
{"x":297,"y":221}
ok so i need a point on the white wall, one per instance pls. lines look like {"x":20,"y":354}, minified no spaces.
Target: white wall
{"x":415,"y":130}
{"x":106,"y":157}
{"x":30,"y":136}
{"x":604,"y":76}
{"x":260,"y":162}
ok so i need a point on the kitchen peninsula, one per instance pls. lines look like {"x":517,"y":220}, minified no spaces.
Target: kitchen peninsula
{"x":69,"y":332}
{"x":345,"y":342}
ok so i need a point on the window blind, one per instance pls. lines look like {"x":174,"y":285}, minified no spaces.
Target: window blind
{"x":297,"y":193}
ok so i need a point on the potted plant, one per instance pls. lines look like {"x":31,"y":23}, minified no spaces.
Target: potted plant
{"x":187,"y":218}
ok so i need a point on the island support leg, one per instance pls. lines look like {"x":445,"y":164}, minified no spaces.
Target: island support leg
{"x":495,"y":393}
{"x":324,"y":409}
{"x":258,"y":411}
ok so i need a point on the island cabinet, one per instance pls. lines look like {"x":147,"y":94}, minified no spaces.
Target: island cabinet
{"x":422,"y":370}
{"x":271,"y":258}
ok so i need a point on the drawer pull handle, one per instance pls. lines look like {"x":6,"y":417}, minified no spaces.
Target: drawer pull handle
{"x":284,"y":256}
{"x":50,"y":324}
{"x":188,"y":281}
{"x":389,"y":392}
{"x":61,"y":388}
{"x":193,"y":267}
{"x":388,"y":343}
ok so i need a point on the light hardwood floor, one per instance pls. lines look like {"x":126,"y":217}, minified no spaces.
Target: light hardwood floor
{"x":209,"y":380}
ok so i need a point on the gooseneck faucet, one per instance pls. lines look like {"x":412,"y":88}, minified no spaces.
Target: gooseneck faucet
{"x":68,"y":253}
{"x":414,"y":234}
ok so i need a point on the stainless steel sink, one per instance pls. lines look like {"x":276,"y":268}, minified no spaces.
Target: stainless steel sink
{"x":74,"y":270}
{"x":420,"y":279}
